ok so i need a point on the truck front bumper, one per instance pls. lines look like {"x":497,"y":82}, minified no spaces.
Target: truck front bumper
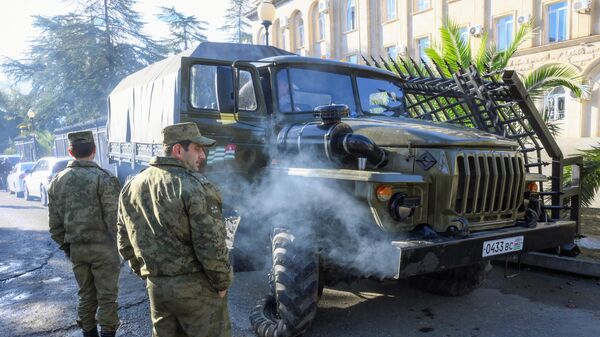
{"x":427,"y":256}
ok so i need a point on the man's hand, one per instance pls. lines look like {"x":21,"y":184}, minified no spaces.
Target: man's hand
{"x":222,"y":293}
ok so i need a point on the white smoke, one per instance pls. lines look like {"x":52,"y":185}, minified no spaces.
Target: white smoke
{"x":318,"y":210}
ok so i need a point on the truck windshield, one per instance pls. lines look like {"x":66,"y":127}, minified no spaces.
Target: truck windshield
{"x":302,"y":90}
{"x":380,"y":97}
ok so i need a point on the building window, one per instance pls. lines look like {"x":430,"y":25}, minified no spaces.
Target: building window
{"x":554,"y":104}
{"x":300,"y":35}
{"x":422,"y":5}
{"x":351,"y":15}
{"x":392,"y":52}
{"x":423,"y":44}
{"x":353,"y":58}
{"x":557,"y":22}
{"x":321,"y":26}
{"x":463,"y":32}
{"x":504,"y":32}
{"x":390,"y":10}
{"x":283,"y":40}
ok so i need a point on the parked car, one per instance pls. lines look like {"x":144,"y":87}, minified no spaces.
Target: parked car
{"x":40,"y":176}
{"x":15,"y":179}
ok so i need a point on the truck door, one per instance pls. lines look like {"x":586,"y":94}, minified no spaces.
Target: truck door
{"x":226,"y":102}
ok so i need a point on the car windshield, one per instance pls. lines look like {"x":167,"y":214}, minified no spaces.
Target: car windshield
{"x":26,"y":166}
{"x":302,"y":90}
{"x":59,"y":166}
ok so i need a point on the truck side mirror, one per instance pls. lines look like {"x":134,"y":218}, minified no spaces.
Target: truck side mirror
{"x":225,"y":99}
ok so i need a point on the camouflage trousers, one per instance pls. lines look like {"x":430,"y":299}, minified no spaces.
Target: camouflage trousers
{"x":96,"y":267}
{"x":187,"y":306}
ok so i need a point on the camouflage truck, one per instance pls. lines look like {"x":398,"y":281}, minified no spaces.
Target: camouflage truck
{"x":436,"y":175}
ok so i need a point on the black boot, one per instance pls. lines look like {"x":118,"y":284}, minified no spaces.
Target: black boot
{"x":91,"y":333}
{"x":108,"y":334}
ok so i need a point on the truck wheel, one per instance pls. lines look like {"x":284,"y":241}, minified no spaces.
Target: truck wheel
{"x":292,"y":306}
{"x":454,"y":282}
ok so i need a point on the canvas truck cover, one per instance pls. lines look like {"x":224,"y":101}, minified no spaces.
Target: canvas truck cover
{"x":149,"y":99}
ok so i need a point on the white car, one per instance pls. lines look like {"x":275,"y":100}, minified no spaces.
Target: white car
{"x":15,"y":179}
{"x":40,"y":176}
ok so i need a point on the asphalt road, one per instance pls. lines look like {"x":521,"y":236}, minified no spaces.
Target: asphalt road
{"x":38,"y":297}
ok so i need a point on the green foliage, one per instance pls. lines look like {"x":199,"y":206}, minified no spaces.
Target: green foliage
{"x":590,"y":173}
{"x":552,"y":75}
{"x":45,"y":142}
{"x":12,"y":113}
{"x":236,"y":23}
{"x":453,"y":52}
{"x":185,"y":30}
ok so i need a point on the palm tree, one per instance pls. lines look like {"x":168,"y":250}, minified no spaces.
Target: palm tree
{"x":454,"y":52}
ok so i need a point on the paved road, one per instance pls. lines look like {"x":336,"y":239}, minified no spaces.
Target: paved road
{"x":38,"y":297}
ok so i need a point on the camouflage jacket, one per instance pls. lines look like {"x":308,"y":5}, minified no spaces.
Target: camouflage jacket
{"x":82,"y":204}
{"x":170,"y":221}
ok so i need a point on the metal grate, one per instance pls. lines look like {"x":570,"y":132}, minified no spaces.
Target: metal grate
{"x":489,"y":183}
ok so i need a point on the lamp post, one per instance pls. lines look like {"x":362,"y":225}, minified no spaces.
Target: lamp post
{"x":31,"y":115}
{"x":266,"y":14}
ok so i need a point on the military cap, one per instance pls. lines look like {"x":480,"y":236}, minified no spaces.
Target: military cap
{"x":80,"y":137}
{"x":184,"y":131}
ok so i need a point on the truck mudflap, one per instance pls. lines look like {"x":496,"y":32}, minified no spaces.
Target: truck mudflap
{"x":431,"y":255}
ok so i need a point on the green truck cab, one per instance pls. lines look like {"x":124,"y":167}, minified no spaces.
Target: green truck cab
{"x":340,"y":171}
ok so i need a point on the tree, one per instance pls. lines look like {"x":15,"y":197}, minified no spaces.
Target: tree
{"x":185,"y":30}
{"x":454,"y":52}
{"x":236,"y":23}
{"x":79,"y":57}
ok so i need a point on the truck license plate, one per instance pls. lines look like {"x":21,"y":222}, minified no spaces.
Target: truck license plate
{"x":501,"y":246}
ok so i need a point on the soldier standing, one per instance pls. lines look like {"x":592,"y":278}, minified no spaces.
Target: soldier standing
{"x":83,"y":201}
{"x":171,"y":231}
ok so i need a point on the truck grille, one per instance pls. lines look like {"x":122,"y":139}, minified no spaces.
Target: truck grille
{"x":489,"y":183}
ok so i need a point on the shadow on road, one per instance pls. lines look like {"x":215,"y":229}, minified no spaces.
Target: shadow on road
{"x":21,"y":207}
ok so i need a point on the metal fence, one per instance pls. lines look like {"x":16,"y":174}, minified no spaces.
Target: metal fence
{"x":27,"y":148}
{"x":98,"y":128}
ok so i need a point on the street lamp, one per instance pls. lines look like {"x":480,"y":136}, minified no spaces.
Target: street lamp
{"x":31,"y":114}
{"x":266,"y":14}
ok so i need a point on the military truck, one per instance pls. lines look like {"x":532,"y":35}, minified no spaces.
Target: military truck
{"x":340,"y":171}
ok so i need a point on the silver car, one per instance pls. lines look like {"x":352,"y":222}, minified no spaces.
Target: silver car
{"x":40,"y":176}
{"x":16,"y":178}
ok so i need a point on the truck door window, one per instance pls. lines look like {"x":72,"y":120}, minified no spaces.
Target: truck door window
{"x":247,"y":94}
{"x":380,"y":97}
{"x":302,"y":90}
{"x":202,"y":87}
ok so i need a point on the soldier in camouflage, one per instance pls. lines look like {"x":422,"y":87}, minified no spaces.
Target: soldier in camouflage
{"x":82,"y":211}
{"x":171,"y":231}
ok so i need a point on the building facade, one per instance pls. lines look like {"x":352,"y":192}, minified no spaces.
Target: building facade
{"x":568,"y":31}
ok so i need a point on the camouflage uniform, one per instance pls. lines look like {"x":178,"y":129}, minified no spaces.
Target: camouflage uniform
{"x":171,"y":230}
{"x":82,"y":208}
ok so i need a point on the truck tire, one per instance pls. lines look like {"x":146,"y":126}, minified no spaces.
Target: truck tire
{"x":453,"y":282}
{"x":291,"y":307}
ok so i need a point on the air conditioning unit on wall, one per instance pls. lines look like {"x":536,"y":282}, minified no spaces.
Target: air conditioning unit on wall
{"x":523,"y":19}
{"x":476,"y":30}
{"x":323,"y":6}
{"x":582,"y":6}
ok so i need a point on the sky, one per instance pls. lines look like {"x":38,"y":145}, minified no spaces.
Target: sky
{"x":16,"y":22}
